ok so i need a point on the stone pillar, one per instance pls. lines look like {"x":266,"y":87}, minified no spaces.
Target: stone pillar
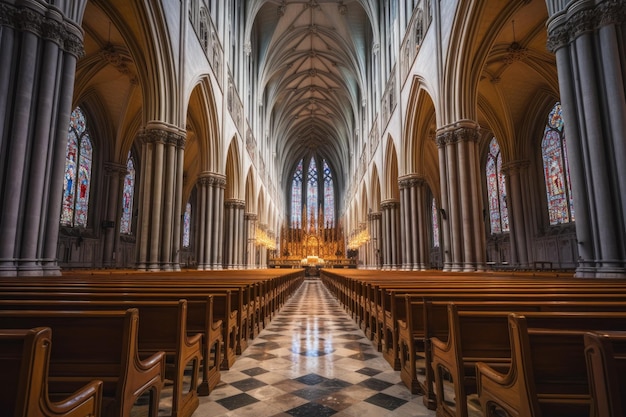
{"x":516,"y":173}
{"x":160,"y":171}
{"x":114,"y":179}
{"x":593,"y":97}
{"x":251,"y":224}
{"x":234,"y":238}
{"x":376,"y":240}
{"x":38,"y":51}
{"x":211,"y":192}
{"x":463,"y":232}
{"x":218,"y":225}
{"x":201,"y":222}
{"x":415,"y":240}
{"x":391,"y":237}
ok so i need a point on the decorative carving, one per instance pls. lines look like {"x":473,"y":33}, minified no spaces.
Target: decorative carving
{"x":411,"y":181}
{"x":515,"y":53}
{"x":514,"y":167}
{"x":584,"y":21}
{"x":24,"y":19}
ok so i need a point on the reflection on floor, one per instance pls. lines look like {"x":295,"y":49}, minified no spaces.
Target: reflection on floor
{"x":311,"y":361}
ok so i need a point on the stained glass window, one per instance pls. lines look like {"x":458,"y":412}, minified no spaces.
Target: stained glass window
{"x":187,"y":226}
{"x":78,"y":166}
{"x":329,"y":197}
{"x":296,"y":197}
{"x":435,"y":221}
{"x":556,"y":170}
{"x":496,"y":190}
{"x":311,"y":194}
{"x":128,"y":192}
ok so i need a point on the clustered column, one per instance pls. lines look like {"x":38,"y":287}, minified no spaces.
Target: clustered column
{"x":251,"y":224}
{"x":114,"y":179}
{"x":414,"y":225}
{"x":594,"y":105}
{"x":159,"y":234}
{"x":38,"y":52}
{"x":210,"y":191}
{"x":375,"y":240}
{"x":235,"y":236}
{"x":521,"y":222}
{"x":462,"y":220}
{"x":391,"y":238}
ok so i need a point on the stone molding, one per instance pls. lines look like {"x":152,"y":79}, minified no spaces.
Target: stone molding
{"x":212,"y":179}
{"x":235,"y":203}
{"x":51,"y":26}
{"x":389,"y":204}
{"x":411,"y":181}
{"x":514,"y":167}
{"x":580,"y":21}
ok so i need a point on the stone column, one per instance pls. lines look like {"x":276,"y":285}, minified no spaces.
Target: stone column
{"x":463,"y":235}
{"x":201,"y":222}
{"x":217,"y":253}
{"x":251,"y":224}
{"x":391,"y":239}
{"x":416,"y":239}
{"x":39,"y":47}
{"x":518,"y":217}
{"x":375,"y":240}
{"x":160,"y":144}
{"x":114,"y":180}
{"x":592,"y":90}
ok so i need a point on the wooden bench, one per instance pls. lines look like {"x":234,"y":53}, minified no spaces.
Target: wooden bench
{"x":24,"y":361}
{"x":606,"y":367}
{"x":162,"y":327}
{"x":548,"y":372}
{"x":96,"y":345}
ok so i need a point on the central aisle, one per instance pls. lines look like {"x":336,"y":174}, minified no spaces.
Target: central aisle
{"x":311,"y":361}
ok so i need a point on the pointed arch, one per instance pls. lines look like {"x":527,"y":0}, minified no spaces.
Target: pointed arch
{"x":233,"y":171}
{"x":251,"y":201}
{"x":392,"y":190}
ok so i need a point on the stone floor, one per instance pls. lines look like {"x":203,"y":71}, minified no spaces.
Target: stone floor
{"x":311,"y":361}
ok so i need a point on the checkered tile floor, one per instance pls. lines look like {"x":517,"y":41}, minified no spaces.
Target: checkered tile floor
{"x":311,"y":361}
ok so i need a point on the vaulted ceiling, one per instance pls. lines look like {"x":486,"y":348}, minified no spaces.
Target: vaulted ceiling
{"x":312,"y":78}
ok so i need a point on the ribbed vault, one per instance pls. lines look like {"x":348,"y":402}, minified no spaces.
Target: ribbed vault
{"x":312,"y":57}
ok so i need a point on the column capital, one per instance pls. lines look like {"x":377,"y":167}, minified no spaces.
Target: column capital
{"x":213,"y":179}
{"x":390,"y":204}
{"x":114,"y":168}
{"x":461,"y":131}
{"x":580,"y":18}
{"x":411,"y":181}
{"x":235,"y":203}
{"x":374,"y":216}
{"x":251,"y":217}
{"x":514,"y":167}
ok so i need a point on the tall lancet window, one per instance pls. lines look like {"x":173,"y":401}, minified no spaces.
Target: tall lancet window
{"x":127,"y":197}
{"x":78,"y":167}
{"x":296,"y":197}
{"x":311,"y":195}
{"x":435,"y":224}
{"x":556,"y":170}
{"x":496,"y":190}
{"x":187,"y":226}
{"x":329,"y":197}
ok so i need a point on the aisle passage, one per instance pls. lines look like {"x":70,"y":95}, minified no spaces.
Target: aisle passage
{"x":311,"y":361}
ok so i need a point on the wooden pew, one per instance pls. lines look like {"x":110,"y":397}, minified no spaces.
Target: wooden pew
{"x":162,"y":327}
{"x":548,"y":372}
{"x":429,"y":320}
{"x":24,"y":361}
{"x":606,"y":366}
{"x":96,"y":345}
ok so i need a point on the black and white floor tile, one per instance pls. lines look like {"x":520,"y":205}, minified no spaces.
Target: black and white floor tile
{"x":311,"y":361}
